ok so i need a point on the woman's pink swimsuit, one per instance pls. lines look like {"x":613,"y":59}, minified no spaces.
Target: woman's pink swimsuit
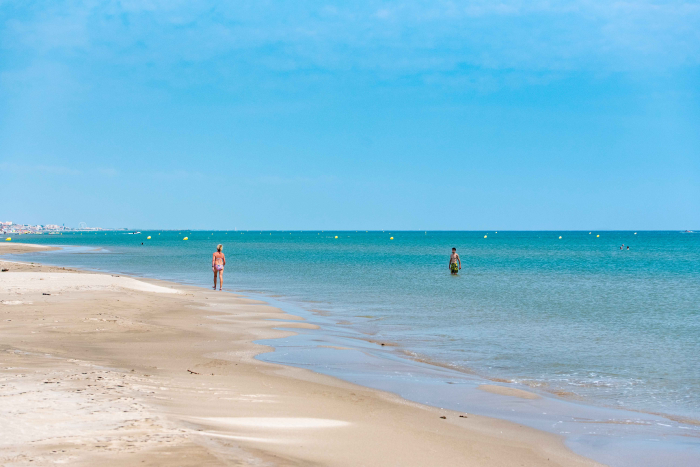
{"x":218,"y":266}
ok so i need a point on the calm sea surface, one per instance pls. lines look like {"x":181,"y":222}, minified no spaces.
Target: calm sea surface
{"x":575,"y":315}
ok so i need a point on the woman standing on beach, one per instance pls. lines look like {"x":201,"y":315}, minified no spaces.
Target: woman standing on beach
{"x":218,"y":261}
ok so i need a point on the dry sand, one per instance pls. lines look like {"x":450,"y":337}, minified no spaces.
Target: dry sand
{"x":104,"y":371}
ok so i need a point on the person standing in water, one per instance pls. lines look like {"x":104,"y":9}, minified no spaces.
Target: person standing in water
{"x":455,"y":262}
{"x":218,"y":261}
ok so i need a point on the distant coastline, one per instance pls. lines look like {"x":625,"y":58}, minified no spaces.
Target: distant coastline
{"x":9,"y":227}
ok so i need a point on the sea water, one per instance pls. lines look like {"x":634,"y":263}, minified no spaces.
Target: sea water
{"x":565,"y":313}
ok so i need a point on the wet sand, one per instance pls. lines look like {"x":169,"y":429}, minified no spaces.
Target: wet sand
{"x":506,"y":391}
{"x":109,"y":370}
{"x":9,"y":248}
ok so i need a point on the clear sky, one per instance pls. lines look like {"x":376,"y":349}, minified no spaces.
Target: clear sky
{"x":351,"y":115}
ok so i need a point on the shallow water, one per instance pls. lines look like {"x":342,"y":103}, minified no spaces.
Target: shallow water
{"x":574,"y":316}
{"x":613,"y":436}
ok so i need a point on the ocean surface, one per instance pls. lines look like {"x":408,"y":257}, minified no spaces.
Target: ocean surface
{"x":567,"y":314}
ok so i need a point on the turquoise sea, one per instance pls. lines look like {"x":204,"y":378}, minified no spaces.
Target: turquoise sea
{"x":574,"y":317}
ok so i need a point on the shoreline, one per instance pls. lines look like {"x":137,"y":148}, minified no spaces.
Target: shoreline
{"x":610,"y":435}
{"x":245,"y":410}
{"x":621,"y":422}
{"x":513,"y":387}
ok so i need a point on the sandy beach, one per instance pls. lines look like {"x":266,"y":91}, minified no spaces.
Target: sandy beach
{"x":101,"y":369}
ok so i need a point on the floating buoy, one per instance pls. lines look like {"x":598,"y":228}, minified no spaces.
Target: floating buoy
{"x":186,"y":238}
{"x":336,"y":236}
{"x":485,"y":236}
{"x":391,"y":238}
{"x":598,"y":235}
{"x":8,"y":239}
{"x":635,"y":233}
{"x":559,"y":237}
{"x":148,"y":238}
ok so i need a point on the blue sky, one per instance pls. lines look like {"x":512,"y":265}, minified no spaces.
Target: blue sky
{"x":370,"y":115}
